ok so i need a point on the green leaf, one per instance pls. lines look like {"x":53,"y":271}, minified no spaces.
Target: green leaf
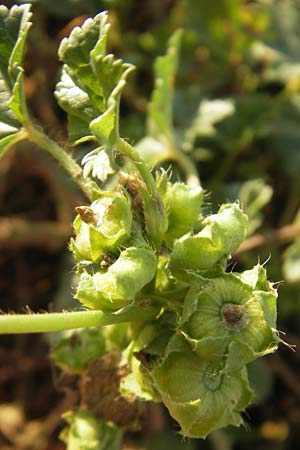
{"x":91,"y":83}
{"x":14,"y":27}
{"x":209,"y":113}
{"x":200,"y":396}
{"x":231,"y":123}
{"x":161,"y":104}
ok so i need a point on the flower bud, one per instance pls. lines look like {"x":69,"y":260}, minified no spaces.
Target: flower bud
{"x":183,"y":206}
{"x":117,"y":287}
{"x":228,"y":317}
{"x":102,"y":227}
{"x":148,"y":208}
{"x":221,"y":235}
{"x":155,"y":216}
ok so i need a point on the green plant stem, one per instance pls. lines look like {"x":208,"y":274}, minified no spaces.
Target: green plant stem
{"x":49,"y":322}
{"x":37,"y":136}
{"x":140,"y":164}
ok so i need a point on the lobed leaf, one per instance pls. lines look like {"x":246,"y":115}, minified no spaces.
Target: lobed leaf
{"x":14,"y":27}
{"x":91,"y":84}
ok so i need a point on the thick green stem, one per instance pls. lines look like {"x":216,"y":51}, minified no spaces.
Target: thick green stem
{"x":48,"y":322}
{"x":36,"y":135}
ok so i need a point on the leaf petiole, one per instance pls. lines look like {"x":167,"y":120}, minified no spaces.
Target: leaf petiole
{"x":38,"y":137}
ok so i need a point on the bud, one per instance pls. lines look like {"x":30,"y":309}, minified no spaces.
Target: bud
{"x":102,"y":227}
{"x":183,"y":205}
{"x":221,"y":235}
{"x":148,"y":207}
{"x":117,"y":287}
{"x":155,"y":217}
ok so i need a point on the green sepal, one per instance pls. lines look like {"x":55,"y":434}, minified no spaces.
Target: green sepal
{"x":200,"y":396}
{"x":138,"y":383}
{"x":221,"y":235}
{"x":85,"y":431}
{"x":109,"y":228}
{"x":183,"y":205}
{"x":256,"y":278}
{"x":263,"y":290}
{"x":144,"y":351}
{"x":228,"y":318}
{"x":74,"y":353}
{"x":155,"y":217}
{"x":118,"y":286}
{"x":233,"y":226}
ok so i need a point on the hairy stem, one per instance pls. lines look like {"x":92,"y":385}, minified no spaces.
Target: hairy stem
{"x":140,"y":164}
{"x":48,"y":322}
{"x":37,"y":136}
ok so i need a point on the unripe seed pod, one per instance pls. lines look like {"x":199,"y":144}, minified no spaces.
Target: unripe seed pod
{"x":199,"y":395}
{"x":228,"y":317}
{"x":117,"y":287}
{"x":102,"y":227}
{"x":222,"y":234}
{"x":183,"y":205}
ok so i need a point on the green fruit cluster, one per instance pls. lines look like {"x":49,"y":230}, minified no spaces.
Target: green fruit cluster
{"x":193,"y":357}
